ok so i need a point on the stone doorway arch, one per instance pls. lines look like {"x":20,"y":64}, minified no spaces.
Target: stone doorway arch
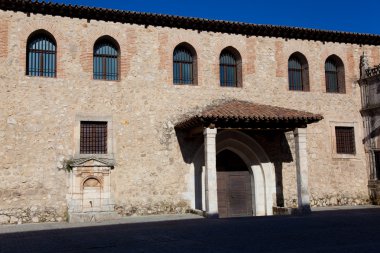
{"x":260,"y":167}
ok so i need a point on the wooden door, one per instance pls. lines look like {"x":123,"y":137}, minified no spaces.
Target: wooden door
{"x":234,"y":193}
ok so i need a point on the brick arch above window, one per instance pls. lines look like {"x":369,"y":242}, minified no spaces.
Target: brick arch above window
{"x":230,"y":68}
{"x":185,"y":64}
{"x":335,"y":75}
{"x":106,"y":59}
{"x":41,"y":54}
{"x":55,"y":30}
{"x":298,"y":72}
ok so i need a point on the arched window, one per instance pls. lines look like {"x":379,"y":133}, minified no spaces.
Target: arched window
{"x":184,"y":64}
{"x":41,"y":57}
{"x":106,"y":59}
{"x":230,"y":68}
{"x":334,"y":72}
{"x":298,"y":72}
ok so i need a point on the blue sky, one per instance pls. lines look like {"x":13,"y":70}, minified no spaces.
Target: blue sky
{"x":349,"y":15}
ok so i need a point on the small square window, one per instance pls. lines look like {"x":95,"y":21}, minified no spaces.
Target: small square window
{"x":93,"y":137}
{"x":345,"y":140}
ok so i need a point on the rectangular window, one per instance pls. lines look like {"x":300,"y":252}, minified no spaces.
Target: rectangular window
{"x":345,"y":140}
{"x":295,"y":79}
{"x":93,"y":137}
{"x":183,"y":73}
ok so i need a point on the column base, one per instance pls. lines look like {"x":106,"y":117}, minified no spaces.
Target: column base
{"x":304,"y":210}
{"x":212,"y":215}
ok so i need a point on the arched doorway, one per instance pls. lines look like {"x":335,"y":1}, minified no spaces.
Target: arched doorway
{"x":234,"y":185}
{"x":255,"y":160}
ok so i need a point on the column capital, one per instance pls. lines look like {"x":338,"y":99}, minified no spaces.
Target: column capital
{"x":300,"y":131}
{"x":210,"y":132}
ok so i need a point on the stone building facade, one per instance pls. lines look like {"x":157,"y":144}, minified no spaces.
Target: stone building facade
{"x":370,"y":89}
{"x":165,"y":151}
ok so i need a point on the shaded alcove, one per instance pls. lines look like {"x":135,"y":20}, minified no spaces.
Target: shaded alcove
{"x":274,"y":143}
{"x":227,"y":160}
{"x":235,"y":185}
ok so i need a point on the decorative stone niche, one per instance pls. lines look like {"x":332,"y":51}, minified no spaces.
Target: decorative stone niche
{"x":89,"y":197}
{"x":92,"y":195}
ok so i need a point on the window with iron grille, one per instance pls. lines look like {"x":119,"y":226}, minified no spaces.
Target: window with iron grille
{"x":106,"y":60}
{"x":345,"y":140}
{"x":331,"y":76}
{"x":228,"y":70}
{"x":298,"y":72}
{"x":41,"y":57}
{"x":183,"y":66}
{"x":93,"y":137}
{"x":334,"y":73}
{"x":377,"y":163}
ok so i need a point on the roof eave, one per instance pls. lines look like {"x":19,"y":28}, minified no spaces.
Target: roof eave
{"x":247,"y":123}
{"x":199,"y":24}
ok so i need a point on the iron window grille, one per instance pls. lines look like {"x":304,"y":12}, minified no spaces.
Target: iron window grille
{"x":228,"y":70}
{"x":93,"y":137}
{"x":335,"y":77}
{"x":183,"y":72}
{"x":331,"y":70}
{"x":345,"y":140}
{"x":106,"y":61}
{"x":41,"y":57}
{"x":295,"y":74}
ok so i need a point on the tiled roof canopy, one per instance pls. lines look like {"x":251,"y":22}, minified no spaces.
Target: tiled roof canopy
{"x":241,"y":114}
{"x":198,"y":24}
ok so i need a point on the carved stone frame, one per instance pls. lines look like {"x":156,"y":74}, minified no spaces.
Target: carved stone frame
{"x":110,"y":137}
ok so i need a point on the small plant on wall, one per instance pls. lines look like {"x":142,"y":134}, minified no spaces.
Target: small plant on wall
{"x":67,"y":165}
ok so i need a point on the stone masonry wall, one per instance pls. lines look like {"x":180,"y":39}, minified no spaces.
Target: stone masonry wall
{"x":37,"y":115}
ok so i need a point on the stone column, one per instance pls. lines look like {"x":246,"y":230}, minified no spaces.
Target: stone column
{"x":211,"y":180}
{"x":302,"y":171}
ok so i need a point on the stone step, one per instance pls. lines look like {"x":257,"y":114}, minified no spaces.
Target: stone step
{"x":93,"y":217}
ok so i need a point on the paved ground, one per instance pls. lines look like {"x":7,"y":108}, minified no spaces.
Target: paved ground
{"x":326,"y":230}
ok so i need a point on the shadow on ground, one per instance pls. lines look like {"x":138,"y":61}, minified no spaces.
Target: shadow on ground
{"x":323,"y":231}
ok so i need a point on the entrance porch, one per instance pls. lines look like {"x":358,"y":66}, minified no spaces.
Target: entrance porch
{"x":234,"y":175}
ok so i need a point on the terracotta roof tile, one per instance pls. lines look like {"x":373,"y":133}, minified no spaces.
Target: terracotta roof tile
{"x":249,"y":114}
{"x":55,"y":9}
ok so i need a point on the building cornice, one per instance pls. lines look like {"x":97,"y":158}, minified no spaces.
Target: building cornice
{"x":197,"y":24}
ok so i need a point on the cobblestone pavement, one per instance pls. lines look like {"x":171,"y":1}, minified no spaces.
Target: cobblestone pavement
{"x":323,"y":231}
